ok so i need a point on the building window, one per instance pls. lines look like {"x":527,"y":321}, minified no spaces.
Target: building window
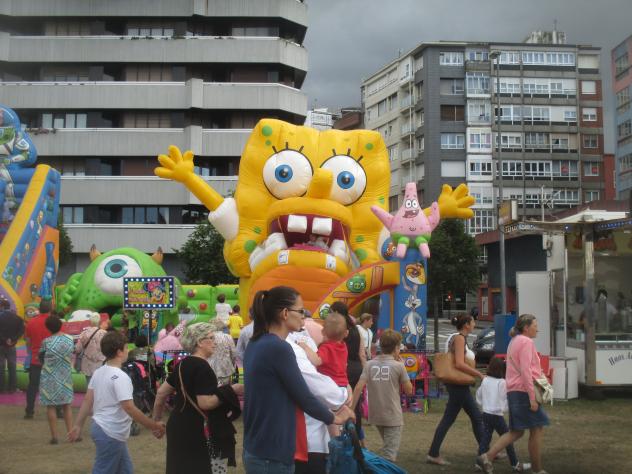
{"x":513,"y":168}
{"x":624,"y":130}
{"x":591,"y":168}
{"x":509,"y":86}
{"x":270,"y":31}
{"x":480,"y":168}
{"x":483,"y":221}
{"x":589,"y":87}
{"x":145,"y":215}
{"x":451,"y":58}
{"x":536,"y":140}
{"x":149,"y":73}
{"x":451,"y":87}
{"x":392,"y":153}
{"x":559,"y":143}
{"x":565,"y":169}
{"x":590,"y":141}
{"x":477,"y":83}
{"x":393,"y":202}
{"x":566,"y":197}
{"x":533,"y":57}
{"x":64,"y":74}
{"x":452,"y":113}
{"x":536,"y":114}
{"x":478,"y":111}
{"x":480,"y":140}
{"x":513,"y":141}
{"x":72,"y":214}
{"x":67,"y":28}
{"x":623,"y":100}
{"x":570,"y":116}
{"x":452,"y":141}
{"x":589,"y":114}
{"x":625,"y":163}
{"x":147,"y":120}
{"x":510,"y":57}
{"x":621,"y":64}
{"x":150,"y":28}
{"x":536,"y":88}
{"x":64,"y":120}
{"x":381,"y":108}
{"x":478,"y":56}
{"x":592,"y":196}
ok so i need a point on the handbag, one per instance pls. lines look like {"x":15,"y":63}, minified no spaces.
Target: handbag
{"x":79,"y":357}
{"x":542,"y":389}
{"x":444,"y":368}
{"x":218,"y":465}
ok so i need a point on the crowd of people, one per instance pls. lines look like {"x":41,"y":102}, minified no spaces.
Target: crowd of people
{"x":302,"y":382}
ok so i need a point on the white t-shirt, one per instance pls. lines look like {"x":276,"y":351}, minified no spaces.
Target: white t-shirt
{"x":492,"y":396}
{"x":223,"y":311}
{"x":111,"y":387}
{"x":367,"y":339}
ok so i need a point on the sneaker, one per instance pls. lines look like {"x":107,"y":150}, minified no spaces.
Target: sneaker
{"x":521,"y":467}
{"x":477,"y":468}
{"x":501,"y":455}
{"x":485,"y":464}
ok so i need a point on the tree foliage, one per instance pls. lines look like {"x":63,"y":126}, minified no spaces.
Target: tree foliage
{"x":65,"y":244}
{"x":202,"y":257}
{"x":453,"y":265}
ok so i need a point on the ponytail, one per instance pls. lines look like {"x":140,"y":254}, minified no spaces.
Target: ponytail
{"x":267,"y":305}
{"x":460,"y":320}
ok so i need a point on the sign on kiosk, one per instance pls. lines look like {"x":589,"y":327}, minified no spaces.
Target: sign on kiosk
{"x":149,"y":292}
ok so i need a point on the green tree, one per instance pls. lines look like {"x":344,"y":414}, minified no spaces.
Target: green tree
{"x":453,"y":265}
{"x":65,"y":244}
{"x":202,"y":257}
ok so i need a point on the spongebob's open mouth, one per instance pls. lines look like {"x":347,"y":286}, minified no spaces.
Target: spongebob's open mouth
{"x":309,"y":232}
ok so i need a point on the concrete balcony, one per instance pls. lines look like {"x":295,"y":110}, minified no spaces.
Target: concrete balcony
{"x":139,"y":141}
{"x":127,"y":49}
{"x":135,"y":190}
{"x":152,"y":95}
{"x":144,"y":237}
{"x":288,"y":9}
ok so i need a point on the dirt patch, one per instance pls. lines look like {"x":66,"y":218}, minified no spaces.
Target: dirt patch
{"x":585,"y":437}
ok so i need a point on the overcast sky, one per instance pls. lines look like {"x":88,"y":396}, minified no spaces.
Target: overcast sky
{"x":348,"y":40}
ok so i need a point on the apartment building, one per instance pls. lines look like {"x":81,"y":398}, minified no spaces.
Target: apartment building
{"x":106,"y":86}
{"x":622,"y":85}
{"x":437,"y":108}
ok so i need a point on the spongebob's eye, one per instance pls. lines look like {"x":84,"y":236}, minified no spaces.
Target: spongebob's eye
{"x":349,"y":179}
{"x":415,"y":204}
{"x":108,"y":276}
{"x":287,"y":174}
{"x":408,"y":204}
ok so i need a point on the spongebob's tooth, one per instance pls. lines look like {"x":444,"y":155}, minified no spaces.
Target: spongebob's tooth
{"x":338,"y":248}
{"x":321,"y":225}
{"x":274,"y":242}
{"x":297,"y":223}
{"x":256,"y":256}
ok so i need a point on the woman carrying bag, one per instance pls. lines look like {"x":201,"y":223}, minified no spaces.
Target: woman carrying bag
{"x":525,"y":413}
{"x":459,"y":395}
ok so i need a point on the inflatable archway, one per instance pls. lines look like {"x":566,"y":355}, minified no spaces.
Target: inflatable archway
{"x":302,"y":210}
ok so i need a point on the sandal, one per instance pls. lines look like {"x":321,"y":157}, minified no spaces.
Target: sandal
{"x":439,"y":461}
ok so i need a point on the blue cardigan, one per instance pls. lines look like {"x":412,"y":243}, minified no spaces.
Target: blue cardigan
{"x":274,"y":387}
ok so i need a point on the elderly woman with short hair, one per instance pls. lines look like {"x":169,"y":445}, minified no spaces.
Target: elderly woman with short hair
{"x":224,"y":357}
{"x":198,"y":397}
{"x":89,"y":346}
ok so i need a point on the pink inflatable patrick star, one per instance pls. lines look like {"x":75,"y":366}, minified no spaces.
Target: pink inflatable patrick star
{"x":410,"y":226}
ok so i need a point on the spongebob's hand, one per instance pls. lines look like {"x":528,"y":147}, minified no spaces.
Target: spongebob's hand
{"x":176,"y":166}
{"x":179,"y":167}
{"x":454,"y":203}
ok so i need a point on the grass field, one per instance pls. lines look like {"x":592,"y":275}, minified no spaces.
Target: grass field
{"x":585,"y":437}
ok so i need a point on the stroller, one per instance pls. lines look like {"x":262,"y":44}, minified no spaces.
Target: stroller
{"x":346,"y":456}
{"x":144,"y":394}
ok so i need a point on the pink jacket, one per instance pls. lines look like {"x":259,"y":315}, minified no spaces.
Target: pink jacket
{"x":523,"y":365}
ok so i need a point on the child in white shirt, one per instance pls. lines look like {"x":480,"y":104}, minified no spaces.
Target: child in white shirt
{"x":492,"y":397}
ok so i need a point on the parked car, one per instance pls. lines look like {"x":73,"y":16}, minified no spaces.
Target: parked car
{"x":484,"y":345}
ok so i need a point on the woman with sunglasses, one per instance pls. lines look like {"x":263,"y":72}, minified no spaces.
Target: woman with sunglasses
{"x":274,"y":387}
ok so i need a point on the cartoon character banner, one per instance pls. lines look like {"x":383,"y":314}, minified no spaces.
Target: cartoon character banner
{"x":410,"y":305}
{"x":149,"y":292}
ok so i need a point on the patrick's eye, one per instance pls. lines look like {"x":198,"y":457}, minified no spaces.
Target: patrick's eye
{"x":415,"y":204}
{"x":408,"y":204}
{"x":349,"y":179}
{"x":287,"y":174}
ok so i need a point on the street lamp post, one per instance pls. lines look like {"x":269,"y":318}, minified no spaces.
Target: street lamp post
{"x":495,"y":55}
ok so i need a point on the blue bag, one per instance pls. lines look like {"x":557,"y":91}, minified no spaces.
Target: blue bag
{"x":379,"y":465}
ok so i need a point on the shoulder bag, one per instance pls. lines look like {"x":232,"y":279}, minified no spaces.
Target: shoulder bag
{"x":444,"y":368}
{"x":217,"y":465}
{"x":542,"y":389}
{"x":79,"y":357}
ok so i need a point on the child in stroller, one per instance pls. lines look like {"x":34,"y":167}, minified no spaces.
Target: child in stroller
{"x":141,"y":369}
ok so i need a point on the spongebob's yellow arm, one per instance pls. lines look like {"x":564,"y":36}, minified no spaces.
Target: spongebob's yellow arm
{"x":179,"y":167}
{"x":455,"y":203}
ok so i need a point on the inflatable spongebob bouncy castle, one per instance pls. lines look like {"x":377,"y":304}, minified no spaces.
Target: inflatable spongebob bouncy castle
{"x":301,"y":214}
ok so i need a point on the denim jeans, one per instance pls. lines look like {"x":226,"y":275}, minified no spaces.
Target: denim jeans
{"x":31,"y":392}
{"x":112,"y":456}
{"x":256,"y":465}
{"x":496,"y":423}
{"x":8,"y":354}
{"x":459,"y":397}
